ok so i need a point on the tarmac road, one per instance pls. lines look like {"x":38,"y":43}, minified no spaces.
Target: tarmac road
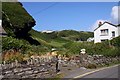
{"x":106,"y":73}
{"x":109,"y":73}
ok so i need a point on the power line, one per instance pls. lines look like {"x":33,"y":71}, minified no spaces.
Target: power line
{"x":45,"y":8}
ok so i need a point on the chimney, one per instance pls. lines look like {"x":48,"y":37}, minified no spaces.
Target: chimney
{"x":100,"y":23}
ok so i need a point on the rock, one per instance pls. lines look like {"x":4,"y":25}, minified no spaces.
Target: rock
{"x":29,"y":72}
{"x":15,"y":70}
{"x":35,"y":72}
{"x":20,"y":73}
{"x":83,"y":68}
{"x":1,"y":76}
{"x":7,"y":72}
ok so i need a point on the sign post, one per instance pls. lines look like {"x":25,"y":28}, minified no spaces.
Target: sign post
{"x":82,"y":56}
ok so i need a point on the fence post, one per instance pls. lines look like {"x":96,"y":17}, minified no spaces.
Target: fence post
{"x":12,"y":65}
{"x":28,"y":62}
{"x":16,"y":63}
{"x":4,"y":62}
{"x":31,"y":62}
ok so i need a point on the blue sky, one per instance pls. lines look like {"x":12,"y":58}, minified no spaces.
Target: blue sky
{"x":78,"y":16}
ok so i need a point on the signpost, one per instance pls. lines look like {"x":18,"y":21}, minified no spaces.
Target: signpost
{"x":83,"y":51}
{"x":82,"y":56}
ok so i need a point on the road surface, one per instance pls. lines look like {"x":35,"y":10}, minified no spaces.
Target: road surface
{"x":111,"y":73}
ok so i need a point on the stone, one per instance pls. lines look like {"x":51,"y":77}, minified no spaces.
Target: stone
{"x":10,"y":74}
{"x":26,"y":69}
{"x":83,"y":68}
{"x":28,"y":63}
{"x":31,"y":61}
{"x":21,"y":73}
{"x":1,"y":76}
{"x":15,"y":70}
{"x":7,"y":72}
{"x":4,"y":62}
{"x":35,"y":72}
{"x":16,"y":63}
{"x":29,"y":72}
{"x":12,"y":64}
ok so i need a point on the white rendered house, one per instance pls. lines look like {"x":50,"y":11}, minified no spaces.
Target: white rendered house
{"x":106,"y":31}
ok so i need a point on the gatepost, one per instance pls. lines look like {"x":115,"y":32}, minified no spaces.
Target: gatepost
{"x":82,"y":56}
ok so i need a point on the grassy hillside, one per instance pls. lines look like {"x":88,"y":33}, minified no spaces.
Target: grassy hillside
{"x":75,"y":35}
{"x":60,"y":38}
{"x":16,"y":21}
{"x":52,"y":39}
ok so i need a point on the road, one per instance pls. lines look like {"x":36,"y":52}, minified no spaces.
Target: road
{"x":112,"y":73}
{"x":106,"y":73}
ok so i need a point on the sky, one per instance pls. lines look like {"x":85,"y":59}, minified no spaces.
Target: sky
{"x":80,"y":16}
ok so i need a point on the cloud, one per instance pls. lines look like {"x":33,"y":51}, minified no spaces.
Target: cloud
{"x":115,"y":18}
{"x":114,"y":14}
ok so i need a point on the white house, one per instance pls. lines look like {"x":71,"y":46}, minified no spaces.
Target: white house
{"x":90,"y":39}
{"x":2,"y":31}
{"x":106,"y":31}
{"x":47,"y":31}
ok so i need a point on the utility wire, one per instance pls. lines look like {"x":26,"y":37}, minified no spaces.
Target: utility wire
{"x":45,"y":8}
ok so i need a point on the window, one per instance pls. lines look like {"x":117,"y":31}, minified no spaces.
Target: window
{"x":104,"y":32}
{"x":104,"y":40}
{"x":113,"y":33}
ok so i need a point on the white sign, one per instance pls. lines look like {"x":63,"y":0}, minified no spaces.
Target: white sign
{"x":82,"y":51}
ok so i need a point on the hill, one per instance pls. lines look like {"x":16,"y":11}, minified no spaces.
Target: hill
{"x":51,"y":39}
{"x":16,"y":20}
{"x":58,"y":38}
{"x":21,"y":38}
{"x":75,"y":35}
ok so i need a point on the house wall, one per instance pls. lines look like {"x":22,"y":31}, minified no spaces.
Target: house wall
{"x":119,"y":30}
{"x":96,"y":36}
{"x":97,"y":33}
{"x":2,"y":32}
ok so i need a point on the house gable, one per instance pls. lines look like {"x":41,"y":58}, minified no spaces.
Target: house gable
{"x":105,"y":23}
{"x":105,"y":31}
{"x":2,"y":31}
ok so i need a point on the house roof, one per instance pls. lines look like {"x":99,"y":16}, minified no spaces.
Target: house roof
{"x":118,"y":25}
{"x":2,"y":30}
{"x":107,"y":23}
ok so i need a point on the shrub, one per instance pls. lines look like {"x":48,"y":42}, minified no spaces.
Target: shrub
{"x":12,"y":55}
{"x":12,"y":43}
{"x":91,"y":66}
{"x":116,"y":42}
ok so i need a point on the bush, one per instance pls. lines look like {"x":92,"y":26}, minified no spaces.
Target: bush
{"x":12,"y":55}
{"x":116,"y":42}
{"x":91,"y":66}
{"x":12,"y":43}
{"x":91,"y":48}
{"x":39,"y":49}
